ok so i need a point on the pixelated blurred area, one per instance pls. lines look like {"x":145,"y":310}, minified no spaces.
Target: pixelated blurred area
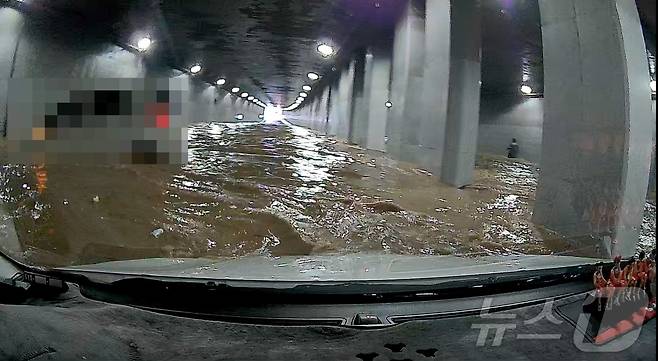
{"x":97,"y":121}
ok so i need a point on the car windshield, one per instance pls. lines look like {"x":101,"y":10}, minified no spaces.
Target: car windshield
{"x":330,"y":139}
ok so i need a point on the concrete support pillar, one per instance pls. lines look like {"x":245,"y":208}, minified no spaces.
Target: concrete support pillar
{"x":359,"y":114}
{"x":343,"y":102}
{"x":461,"y":128}
{"x":313,"y":120}
{"x":436,"y":78}
{"x":376,"y":94}
{"x":323,"y":108}
{"x":596,"y":149}
{"x":9,"y":39}
{"x":334,"y":109}
{"x":407,"y":84}
{"x":436,"y":88}
{"x":311,"y":116}
{"x":320,"y":113}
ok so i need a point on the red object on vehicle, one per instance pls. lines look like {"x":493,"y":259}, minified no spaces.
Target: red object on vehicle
{"x":162,"y":121}
{"x":638,"y":318}
{"x":606,"y":336}
{"x":624,"y":326}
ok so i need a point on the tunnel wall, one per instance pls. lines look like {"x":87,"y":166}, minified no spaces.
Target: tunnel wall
{"x":505,"y":117}
{"x":42,"y":48}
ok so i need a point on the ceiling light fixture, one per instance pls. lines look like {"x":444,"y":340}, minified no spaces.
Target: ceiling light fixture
{"x":303,"y":95}
{"x":235,"y":90}
{"x":307,"y":88}
{"x":525,"y":89}
{"x":652,"y":85}
{"x":388,"y":104}
{"x":244,"y":95}
{"x":239,"y":116}
{"x":313,"y":76}
{"x":143,"y":44}
{"x":221,"y":81}
{"x":325,"y":50}
{"x":195,"y":69}
{"x":251,"y":97}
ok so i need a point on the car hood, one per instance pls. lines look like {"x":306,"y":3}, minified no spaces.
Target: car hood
{"x":334,"y":268}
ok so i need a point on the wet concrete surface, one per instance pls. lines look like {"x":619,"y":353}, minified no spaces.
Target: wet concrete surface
{"x":274,"y":190}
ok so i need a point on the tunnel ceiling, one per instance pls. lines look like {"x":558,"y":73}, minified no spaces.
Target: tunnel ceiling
{"x":266,"y":47}
{"x":511,"y":46}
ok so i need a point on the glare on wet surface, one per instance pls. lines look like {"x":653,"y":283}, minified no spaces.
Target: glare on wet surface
{"x":272,"y":190}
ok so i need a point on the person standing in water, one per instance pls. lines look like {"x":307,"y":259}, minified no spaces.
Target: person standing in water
{"x":513,"y":149}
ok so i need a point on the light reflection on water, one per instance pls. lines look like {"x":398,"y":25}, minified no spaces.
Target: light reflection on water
{"x":273,"y":190}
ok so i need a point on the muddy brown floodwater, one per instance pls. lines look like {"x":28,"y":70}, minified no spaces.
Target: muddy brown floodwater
{"x":272,"y":189}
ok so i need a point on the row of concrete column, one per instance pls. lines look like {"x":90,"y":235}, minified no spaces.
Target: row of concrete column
{"x":433,"y":119}
{"x":597,"y":127}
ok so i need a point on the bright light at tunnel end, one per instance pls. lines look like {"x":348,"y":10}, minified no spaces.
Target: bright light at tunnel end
{"x":272,"y":114}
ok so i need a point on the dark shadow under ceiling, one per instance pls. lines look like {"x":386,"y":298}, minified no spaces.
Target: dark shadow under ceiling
{"x":267,"y":47}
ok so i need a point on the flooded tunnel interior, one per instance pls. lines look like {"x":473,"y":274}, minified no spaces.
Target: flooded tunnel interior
{"x":327,"y":180}
{"x":314,"y":183}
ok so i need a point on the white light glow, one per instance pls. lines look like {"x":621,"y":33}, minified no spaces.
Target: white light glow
{"x":652,"y":85}
{"x":307,"y":88}
{"x":235,"y":90}
{"x":195,"y":69}
{"x":525,"y":89}
{"x":221,"y":81}
{"x":303,"y":95}
{"x":272,"y":114}
{"x":325,"y":50}
{"x":251,"y":97}
{"x":239,"y":116}
{"x":143,"y":44}
{"x":244,"y":95}
{"x":313,"y":76}
{"x":388,"y":104}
